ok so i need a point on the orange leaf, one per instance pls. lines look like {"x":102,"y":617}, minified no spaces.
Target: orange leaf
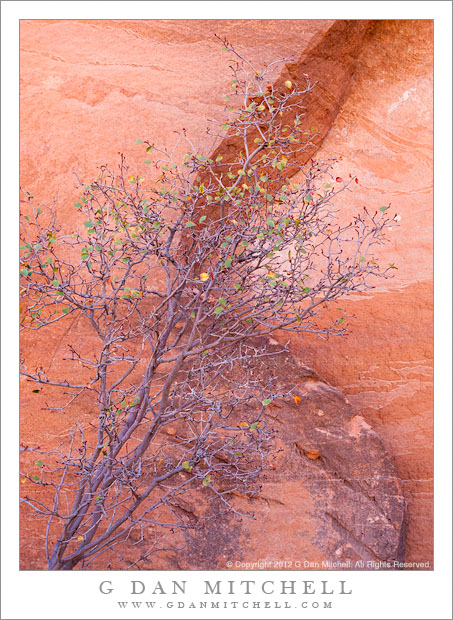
{"x":297,"y":399}
{"x":312,"y":454}
{"x":80,"y":538}
{"x":243,"y":424}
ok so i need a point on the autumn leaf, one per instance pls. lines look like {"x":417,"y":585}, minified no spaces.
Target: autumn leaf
{"x":204,"y":277}
{"x":80,"y":538}
{"x":297,"y":399}
{"x":288,"y":84}
{"x":312,"y":454}
{"x":339,"y":180}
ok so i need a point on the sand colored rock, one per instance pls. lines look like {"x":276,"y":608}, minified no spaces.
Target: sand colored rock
{"x":90,"y":88}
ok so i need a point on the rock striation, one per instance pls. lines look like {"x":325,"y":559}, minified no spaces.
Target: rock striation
{"x":90,"y":88}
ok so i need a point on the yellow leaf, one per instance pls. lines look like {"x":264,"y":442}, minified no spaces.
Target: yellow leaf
{"x":288,"y":83}
{"x":243,"y":424}
{"x":204,"y":277}
{"x":80,"y":538}
{"x":23,"y":480}
{"x":297,"y":399}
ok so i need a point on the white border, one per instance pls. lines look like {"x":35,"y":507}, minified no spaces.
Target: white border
{"x":408,"y":594}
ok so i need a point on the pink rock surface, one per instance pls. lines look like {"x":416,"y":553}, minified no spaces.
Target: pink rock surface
{"x":384,"y":133}
{"x":90,"y":88}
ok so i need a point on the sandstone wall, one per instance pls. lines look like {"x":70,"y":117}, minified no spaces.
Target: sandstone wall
{"x":90,"y":88}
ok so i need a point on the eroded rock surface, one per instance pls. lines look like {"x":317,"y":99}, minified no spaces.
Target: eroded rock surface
{"x":90,"y":88}
{"x":333,"y":499}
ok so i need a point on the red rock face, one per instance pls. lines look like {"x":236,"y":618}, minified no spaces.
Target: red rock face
{"x":90,"y":88}
{"x":384,"y":133}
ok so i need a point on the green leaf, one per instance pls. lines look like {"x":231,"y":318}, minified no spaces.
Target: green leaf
{"x":36,"y":478}
{"x":253,"y":426}
{"x":222,"y":301}
{"x":38,"y":463}
{"x":228,"y":262}
{"x":267,"y":401}
{"x":383,"y":209}
{"x":78,"y":204}
{"x":138,"y":141}
{"x":206,"y":481}
{"x":218,"y":310}
{"x":147,"y":161}
{"x":37,"y":246}
{"x":187,"y":466}
{"x":65,"y":310}
{"x":149,"y":149}
{"x":55,"y":283}
{"x":342,"y":320}
{"x":202,"y":218}
{"x":190,"y":224}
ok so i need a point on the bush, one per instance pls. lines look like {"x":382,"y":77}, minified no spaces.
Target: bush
{"x":178,"y":281}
